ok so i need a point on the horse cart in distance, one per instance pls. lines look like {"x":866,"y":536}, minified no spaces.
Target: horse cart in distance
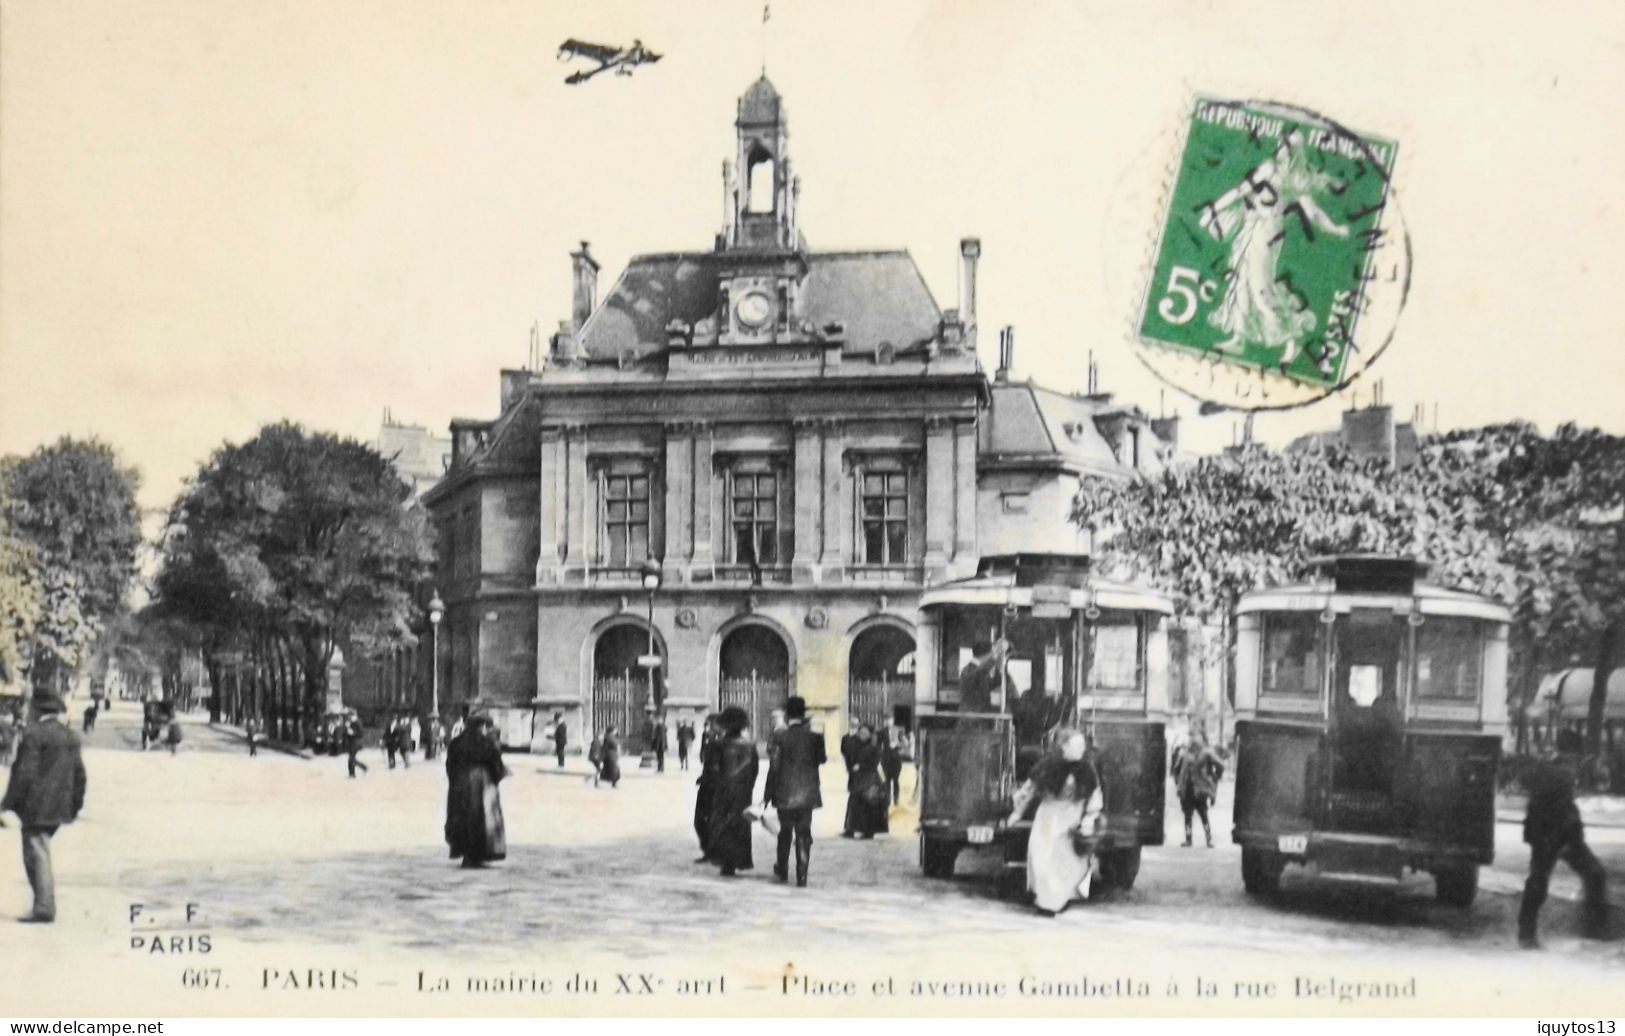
{"x":1370,"y":711}
{"x":1082,"y":652}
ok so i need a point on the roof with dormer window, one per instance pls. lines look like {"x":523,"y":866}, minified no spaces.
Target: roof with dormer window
{"x":879,"y":297}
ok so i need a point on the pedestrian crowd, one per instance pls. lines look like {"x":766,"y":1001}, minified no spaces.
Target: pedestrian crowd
{"x":1062,"y":794}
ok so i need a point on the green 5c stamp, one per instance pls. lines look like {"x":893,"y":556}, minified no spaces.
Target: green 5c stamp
{"x":1275,"y":245}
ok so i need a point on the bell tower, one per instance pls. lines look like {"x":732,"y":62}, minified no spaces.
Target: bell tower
{"x":762,"y":201}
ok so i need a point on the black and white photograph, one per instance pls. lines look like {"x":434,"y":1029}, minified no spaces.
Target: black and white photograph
{"x":547,"y":508}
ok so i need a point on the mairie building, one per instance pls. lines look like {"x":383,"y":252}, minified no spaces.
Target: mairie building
{"x":790,"y":443}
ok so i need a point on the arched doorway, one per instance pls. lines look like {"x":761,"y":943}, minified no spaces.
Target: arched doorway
{"x":880,"y":677}
{"x":620,"y":686}
{"x":753,"y":673}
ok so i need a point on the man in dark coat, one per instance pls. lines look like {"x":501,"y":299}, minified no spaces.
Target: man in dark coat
{"x":47,"y":790}
{"x":792,"y":787}
{"x":685,"y":737}
{"x":981,"y":676}
{"x":474,"y":826}
{"x":352,"y":745}
{"x":1554,"y":831}
{"x":660,"y":743}
{"x":705,"y":786}
{"x":560,"y":736}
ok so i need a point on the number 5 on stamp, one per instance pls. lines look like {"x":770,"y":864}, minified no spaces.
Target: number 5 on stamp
{"x":1267,"y":244}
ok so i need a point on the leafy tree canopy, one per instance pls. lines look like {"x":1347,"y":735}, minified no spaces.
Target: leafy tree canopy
{"x":306,"y":533}
{"x":73,"y":504}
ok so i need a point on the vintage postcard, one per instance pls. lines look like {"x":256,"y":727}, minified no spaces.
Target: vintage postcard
{"x":926,"y":508}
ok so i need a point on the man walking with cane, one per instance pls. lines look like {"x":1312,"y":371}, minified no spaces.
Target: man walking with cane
{"x":792,"y":787}
{"x":47,"y":790}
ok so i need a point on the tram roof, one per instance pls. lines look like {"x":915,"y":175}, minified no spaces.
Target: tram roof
{"x":1000,"y":588}
{"x":1319,"y":594}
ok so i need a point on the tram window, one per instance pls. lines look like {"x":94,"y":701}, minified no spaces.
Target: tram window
{"x":962,"y":628}
{"x":1365,"y":684}
{"x":1115,"y":665}
{"x":1020,"y":672}
{"x":1449,"y":658}
{"x":1291,"y":654}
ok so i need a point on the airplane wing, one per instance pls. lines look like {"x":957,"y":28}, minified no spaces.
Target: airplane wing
{"x":595,"y":51}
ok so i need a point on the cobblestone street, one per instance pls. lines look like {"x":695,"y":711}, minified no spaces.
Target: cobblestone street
{"x":292,"y":863}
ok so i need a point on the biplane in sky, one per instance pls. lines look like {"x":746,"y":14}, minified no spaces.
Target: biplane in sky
{"x":622,"y":60}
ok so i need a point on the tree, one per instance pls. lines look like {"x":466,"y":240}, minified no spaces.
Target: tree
{"x":1535,"y":521}
{"x":1556,"y":505}
{"x":22,"y":599}
{"x":1211,"y":530}
{"x":291,"y":543}
{"x":73,"y":502}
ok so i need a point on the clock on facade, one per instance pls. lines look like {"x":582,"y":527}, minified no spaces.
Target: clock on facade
{"x":754,"y":309}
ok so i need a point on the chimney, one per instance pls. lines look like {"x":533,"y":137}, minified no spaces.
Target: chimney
{"x":585,"y":270}
{"x":970,"y":250}
{"x":1007,"y":354}
{"x":1167,"y":429}
{"x":1369,"y":433}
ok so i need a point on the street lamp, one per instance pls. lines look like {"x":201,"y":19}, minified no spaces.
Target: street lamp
{"x":651,"y":575}
{"x":437,"y":611}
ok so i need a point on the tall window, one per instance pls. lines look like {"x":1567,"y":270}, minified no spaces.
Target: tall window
{"x":884,"y":516}
{"x":884,"y":492}
{"x":754,"y":505}
{"x":465,"y":556}
{"x":625,"y":504}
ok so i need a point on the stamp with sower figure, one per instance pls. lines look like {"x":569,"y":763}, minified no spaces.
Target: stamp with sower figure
{"x":1275,"y":246}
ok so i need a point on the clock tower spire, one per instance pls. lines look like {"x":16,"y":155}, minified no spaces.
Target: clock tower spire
{"x":762,"y":203}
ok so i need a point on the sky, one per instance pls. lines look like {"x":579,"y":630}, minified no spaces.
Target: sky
{"x":214,"y":216}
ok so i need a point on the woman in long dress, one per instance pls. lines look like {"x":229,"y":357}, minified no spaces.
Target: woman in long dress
{"x":1068,"y":791}
{"x":609,"y":759}
{"x":474,"y":768}
{"x":866,"y":788}
{"x":728,"y":841}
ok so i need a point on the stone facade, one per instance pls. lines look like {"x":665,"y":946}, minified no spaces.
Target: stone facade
{"x":800,"y":441}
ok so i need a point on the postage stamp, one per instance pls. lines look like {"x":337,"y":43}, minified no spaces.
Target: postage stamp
{"x":1268,"y":248}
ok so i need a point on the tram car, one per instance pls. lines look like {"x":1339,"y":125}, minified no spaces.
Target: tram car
{"x":1371,"y":706}
{"x":1084,"y":652}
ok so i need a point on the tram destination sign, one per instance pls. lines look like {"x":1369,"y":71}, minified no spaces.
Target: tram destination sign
{"x":1052,"y":602}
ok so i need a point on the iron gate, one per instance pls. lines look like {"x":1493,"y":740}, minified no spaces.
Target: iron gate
{"x":619,"y":701}
{"x":758,"y":695}
{"x":874,"y":701}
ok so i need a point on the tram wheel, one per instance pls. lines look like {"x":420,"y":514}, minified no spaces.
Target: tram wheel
{"x":1261,"y":871}
{"x":937,"y":857}
{"x":1456,"y":886}
{"x":1120,"y":867}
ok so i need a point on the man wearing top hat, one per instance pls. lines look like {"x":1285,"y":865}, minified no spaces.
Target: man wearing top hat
{"x":47,"y":790}
{"x":792,"y":786}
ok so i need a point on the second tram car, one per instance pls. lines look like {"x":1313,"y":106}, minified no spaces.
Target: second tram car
{"x":1083,"y":652}
{"x":1370,"y":710}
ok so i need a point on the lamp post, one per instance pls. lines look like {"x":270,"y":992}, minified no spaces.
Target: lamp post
{"x":437,"y":611}
{"x":651,"y":575}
